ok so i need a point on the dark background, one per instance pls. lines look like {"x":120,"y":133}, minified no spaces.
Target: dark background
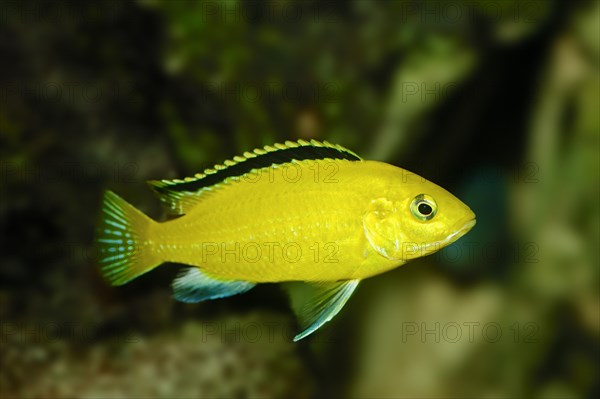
{"x":497,"y":101}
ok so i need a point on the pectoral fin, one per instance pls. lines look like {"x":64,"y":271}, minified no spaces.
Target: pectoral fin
{"x":316,"y":303}
{"x":193,"y":285}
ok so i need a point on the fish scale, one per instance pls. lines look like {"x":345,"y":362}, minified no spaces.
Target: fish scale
{"x":310,"y":210}
{"x":313,"y":216}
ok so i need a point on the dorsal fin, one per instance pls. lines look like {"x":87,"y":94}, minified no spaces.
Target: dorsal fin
{"x":182,"y":194}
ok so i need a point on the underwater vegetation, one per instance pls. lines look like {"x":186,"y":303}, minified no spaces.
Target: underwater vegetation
{"x":496,"y":101}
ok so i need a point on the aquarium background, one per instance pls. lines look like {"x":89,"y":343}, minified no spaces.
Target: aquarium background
{"x":497,"y":101}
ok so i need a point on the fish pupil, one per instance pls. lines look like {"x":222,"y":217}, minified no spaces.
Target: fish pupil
{"x":425,"y":209}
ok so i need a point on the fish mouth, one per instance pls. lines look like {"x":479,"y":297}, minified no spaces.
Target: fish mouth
{"x":460,"y":232}
{"x":435,"y":246}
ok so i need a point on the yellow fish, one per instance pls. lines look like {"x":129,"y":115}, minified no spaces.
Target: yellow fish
{"x":310,"y":214}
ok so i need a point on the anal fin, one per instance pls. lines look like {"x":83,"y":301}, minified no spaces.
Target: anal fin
{"x":317,"y":303}
{"x":194,"y":286}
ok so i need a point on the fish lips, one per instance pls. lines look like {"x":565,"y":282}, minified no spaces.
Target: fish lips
{"x":466,"y":227}
{"x":436,"y":246}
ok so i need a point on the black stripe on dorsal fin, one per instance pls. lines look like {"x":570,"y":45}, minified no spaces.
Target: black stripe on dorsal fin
{"x":176,"y":192}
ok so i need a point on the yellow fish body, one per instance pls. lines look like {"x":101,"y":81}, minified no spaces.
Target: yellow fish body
{"x":296,"y":212}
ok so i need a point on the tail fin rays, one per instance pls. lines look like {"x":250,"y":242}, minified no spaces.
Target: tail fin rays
{"x":122,"y":232}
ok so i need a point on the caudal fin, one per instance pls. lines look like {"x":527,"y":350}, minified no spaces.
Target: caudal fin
{"x":120,"y":239}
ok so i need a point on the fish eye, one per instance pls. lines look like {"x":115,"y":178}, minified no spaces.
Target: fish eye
{"x":423,"y":207}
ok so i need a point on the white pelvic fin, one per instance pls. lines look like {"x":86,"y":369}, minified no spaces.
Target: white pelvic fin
{"x":193,"y":285}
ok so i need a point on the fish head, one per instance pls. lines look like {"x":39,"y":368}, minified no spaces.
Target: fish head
{"x":415,"y":218}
